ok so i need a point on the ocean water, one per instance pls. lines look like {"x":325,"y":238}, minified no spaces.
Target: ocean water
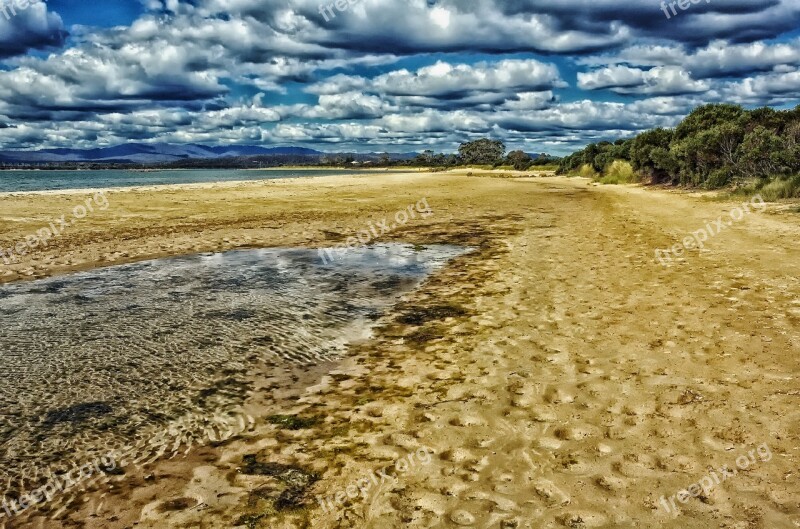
{"x":150,"y":358}
{"x":14,"y":181}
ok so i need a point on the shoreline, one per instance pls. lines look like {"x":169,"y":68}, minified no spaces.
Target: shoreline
{"x":41,"y":264}
{"x":191,"y":185}
{"x":186,"y":186}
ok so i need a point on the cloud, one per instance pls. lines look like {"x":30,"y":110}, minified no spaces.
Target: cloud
{"x":389,"y":73}
{"x":32,"y":28}
{"x":718,"y":59}
{"x":452,"y":85}
{"x":661,"y":80}
{"x":614,"y":77}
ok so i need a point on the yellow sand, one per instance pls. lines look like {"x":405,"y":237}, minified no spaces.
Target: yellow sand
{"x":583,"y":381}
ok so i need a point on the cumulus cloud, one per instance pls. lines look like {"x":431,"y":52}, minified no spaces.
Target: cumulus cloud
{"x":613,"y":77}
{"x":718,"y":59}
{"x":32,"y":28}
{"x":387,"y":73}
{"x":661,"y":80}
{"x":445,"y":84}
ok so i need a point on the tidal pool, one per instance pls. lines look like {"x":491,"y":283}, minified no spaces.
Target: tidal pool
{"x":116,"y":358}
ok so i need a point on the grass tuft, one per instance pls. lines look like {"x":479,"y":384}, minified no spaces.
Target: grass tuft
{"x":587,"y":171}
{"x":619,"y":172}
{"x":771,"y":190}
{"x":781,"y":188}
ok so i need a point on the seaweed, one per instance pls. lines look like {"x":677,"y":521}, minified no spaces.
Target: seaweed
{"x":296,"y":480}
{"x":177,"y":504}
{"x":293,"y":422}
{"x":418,"y":316}
{"x":249,"y":520}
{"x":421,"y":336}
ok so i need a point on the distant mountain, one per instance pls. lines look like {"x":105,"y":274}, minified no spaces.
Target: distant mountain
{"x":400,"y":155}
{"x":249,"y":150}
{"x":145,"y":153}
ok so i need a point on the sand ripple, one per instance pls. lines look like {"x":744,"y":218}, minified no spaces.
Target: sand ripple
{"x":153,"y":358}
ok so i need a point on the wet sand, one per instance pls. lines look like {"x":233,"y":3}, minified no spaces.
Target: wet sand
{"x":560,"y":375}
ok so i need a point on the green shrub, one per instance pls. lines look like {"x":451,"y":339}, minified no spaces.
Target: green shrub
{"x":781,"y":188}
{"x":587,"y":171}
{"x":719,"y":178}
{"x":619,"y":172}
{"x":716,"y":145}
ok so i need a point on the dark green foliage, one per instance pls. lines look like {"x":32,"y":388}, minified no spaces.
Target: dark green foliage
{"x":482,"y":152}
{"x":599,"y":156}
{"x":570,"y":164}
{"x":651,"y":157}
{"x":545,"y":159}
{"x":520,"y":160}
{"x":714,"y":146}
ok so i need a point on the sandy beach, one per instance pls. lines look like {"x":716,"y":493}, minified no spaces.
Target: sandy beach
{"x":556,"y":376}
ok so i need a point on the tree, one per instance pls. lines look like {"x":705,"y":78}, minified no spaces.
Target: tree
{"x":705,"y":117}
{"x":650,"y":154}
{"x":425,"y":159}
{"x":761,"y":154}
{"x":482,"y":152}
{"x":707,"y":151}
{"x":520,"y":160}
{"x":589,"y":154}
{"x":713,"y":146}
{"x":791,"y":146}
{"x":570,"y":164}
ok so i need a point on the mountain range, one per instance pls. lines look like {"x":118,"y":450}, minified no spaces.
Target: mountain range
{"x":150,"y":153}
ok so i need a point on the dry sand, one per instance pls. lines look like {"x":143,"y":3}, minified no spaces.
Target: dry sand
{"x":560,"y":375}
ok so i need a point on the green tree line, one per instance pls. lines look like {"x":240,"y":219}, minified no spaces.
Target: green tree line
{"x":485,"y":151}
{"x":714,"y":146}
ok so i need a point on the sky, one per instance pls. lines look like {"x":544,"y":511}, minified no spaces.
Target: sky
{"x":383,"y":75}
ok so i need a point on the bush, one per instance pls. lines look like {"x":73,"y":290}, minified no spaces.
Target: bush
{"x":781,"y":188}
{"x":587,"y":171}
{"x":714,"y":146}
{"x":619,"y":172}
{"x":719,"y":178}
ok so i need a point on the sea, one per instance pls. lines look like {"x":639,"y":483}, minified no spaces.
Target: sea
{"x":22,"y":181}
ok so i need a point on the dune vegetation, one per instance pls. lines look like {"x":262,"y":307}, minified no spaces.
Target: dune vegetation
{"x":716,"y":146}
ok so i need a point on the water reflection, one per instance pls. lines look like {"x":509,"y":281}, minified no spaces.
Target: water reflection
{"x":119,"y":356}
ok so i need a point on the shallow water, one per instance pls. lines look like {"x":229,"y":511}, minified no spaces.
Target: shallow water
{"x":149,"y":357}
{"x":60,"y":180}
